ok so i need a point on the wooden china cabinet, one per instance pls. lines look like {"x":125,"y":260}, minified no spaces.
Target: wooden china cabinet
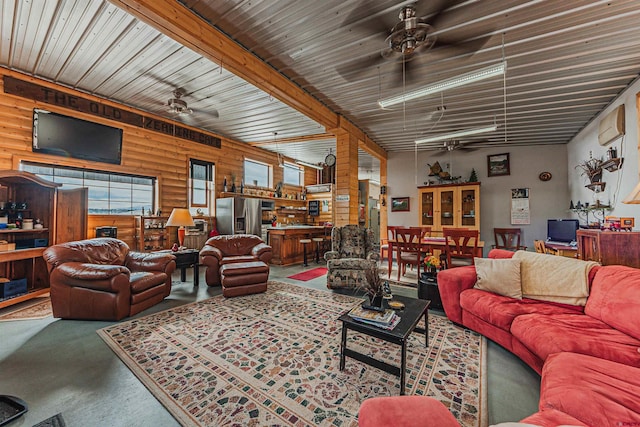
{"x":450,"y":205}
{"x":63,"y":218}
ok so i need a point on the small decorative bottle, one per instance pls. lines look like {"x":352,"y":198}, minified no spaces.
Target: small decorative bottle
{"x":242,"y":186}
{"x":225,"y":184}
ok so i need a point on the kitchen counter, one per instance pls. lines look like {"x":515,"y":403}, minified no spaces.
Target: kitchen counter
{"x":286,"y":246}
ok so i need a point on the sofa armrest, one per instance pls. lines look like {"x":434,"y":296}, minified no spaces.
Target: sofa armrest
{"x":154,"y":261}
{"x":208,"y":250}
{"x":262,"y":251}
{"x":91,"y":276}
{"x":331,"y":255}
{"x":373,"y":256}
{"x":451,"y":283}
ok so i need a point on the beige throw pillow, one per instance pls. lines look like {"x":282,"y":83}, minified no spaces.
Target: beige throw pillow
{"x":501,"y":276}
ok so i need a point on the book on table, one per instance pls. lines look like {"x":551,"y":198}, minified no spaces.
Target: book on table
{"x":375,"y":318}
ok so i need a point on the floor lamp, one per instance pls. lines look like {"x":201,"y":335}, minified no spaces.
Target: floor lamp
{"x":181,"y":218}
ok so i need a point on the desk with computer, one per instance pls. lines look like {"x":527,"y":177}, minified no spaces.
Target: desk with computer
{"x":561,"y":237}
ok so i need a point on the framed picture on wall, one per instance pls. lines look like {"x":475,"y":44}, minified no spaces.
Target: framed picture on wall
{"x":498,"y":164}
{"x":399,"y":204}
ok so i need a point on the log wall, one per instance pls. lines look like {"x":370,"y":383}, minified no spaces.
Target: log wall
{"x":144,"y":152}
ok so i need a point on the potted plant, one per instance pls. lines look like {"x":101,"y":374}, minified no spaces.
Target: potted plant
{"x":431,"y":264}
{"x":592,"y":169}
{"x":374,"y":288}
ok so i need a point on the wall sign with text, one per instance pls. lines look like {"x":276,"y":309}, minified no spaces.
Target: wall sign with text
{"x":50,"y":96}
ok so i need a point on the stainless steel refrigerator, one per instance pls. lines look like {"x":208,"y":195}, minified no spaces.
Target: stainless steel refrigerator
{"x":238,"y":215}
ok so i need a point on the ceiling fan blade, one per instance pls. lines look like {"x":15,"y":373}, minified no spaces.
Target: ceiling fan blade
{"x":356,"y":69}
{"x":431,"y":9}
{"x":455,"y":47}
{"x":361,"y":19}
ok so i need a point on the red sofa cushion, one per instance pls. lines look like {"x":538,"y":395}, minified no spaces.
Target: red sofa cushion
{"x":615,"y":298}
{"x":578,"y":333}
{"x":597,"y":392}
{"x":405,"y":411}
{"x":552,"y":418}
{"x":500,"y":310}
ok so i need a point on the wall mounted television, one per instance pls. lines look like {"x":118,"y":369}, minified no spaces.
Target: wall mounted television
{"x":72,"y":137}
{"x":562,"y":230}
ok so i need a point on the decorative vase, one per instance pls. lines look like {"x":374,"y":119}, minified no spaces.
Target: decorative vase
{"x":375,"y":302}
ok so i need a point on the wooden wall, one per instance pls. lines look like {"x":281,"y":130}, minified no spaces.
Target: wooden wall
{"x":144,"y":152}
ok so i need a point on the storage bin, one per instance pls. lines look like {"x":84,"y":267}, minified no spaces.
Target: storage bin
{"x":13,"y":288}
{"x":7,"y":247}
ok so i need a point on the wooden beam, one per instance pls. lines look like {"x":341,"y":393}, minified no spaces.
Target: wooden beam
{"x":364,"y":142}
{"x":294,"y":139}
{"x":178,"y":22}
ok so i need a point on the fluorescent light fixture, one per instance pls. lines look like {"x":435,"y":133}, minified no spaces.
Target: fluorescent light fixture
{"x":309,"y":165}
{"x":458,"y":134}
{"x":461,"y":80}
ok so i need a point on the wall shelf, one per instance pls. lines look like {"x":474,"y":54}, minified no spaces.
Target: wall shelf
{"x":612,"y":165}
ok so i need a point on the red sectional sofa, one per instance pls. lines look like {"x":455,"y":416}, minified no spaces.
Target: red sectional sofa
{"x":589,"y":357}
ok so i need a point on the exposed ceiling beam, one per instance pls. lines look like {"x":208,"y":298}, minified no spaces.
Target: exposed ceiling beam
{"x":176,"y":21}
{"x":294,"y":139}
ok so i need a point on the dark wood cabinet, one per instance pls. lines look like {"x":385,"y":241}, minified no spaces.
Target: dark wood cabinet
{"x":62,"y":215}
{"x":609,"y":247}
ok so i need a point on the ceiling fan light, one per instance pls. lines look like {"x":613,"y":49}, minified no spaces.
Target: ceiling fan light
{"x":457,"y":134}
{"x":461,"y":80}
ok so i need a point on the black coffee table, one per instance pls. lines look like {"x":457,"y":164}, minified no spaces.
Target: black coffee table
{"x":184,"y":259}
{"x":410,"y":316}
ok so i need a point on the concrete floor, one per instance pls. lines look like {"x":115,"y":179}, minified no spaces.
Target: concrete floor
{"x":63,"y":366}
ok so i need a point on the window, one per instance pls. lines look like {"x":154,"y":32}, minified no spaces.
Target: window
{"x":293,"y":174}
{"x":109,"y":193}
{"x":202,"y":184}
{"x":257,"y":173}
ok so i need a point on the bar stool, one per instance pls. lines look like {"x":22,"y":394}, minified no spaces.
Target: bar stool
{"x":305,"y":242}
{"x":319,"y":242}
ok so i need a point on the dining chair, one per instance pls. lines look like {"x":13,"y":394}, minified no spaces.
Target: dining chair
{"x":508,"y":238}
{"x":408,"y":248}
{"x":461,"y":246}
{"x":541,"y":248}
{"x":384,"y":243}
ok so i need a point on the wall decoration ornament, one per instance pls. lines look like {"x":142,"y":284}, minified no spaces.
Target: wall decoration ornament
{"x":545,"y":176}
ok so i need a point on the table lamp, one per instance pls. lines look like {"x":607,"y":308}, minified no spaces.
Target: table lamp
{"x":181,"y":218}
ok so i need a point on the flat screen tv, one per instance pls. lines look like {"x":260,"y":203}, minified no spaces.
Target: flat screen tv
{"x":71,"y":137}
{"x":562,"y":230}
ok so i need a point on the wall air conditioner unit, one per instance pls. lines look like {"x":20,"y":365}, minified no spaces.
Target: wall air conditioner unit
{"x":611,"y":126}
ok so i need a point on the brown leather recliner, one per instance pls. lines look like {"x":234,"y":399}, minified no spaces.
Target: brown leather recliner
{"x":101,"y":279}
{"x":236,"y":248}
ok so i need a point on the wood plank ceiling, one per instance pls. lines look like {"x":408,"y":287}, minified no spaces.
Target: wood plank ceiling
{"x":567,"y":60}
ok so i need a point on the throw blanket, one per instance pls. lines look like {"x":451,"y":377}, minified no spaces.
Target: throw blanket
{"x":554,"y":278}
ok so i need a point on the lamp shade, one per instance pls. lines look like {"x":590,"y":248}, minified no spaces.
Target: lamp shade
{"x":180,"y":217}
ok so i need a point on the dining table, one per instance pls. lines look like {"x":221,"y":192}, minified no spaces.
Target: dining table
{"x":428,"y":245}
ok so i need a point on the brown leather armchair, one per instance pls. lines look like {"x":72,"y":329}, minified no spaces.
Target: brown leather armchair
{"x":100,"y":279}
{"x":228,"y":249}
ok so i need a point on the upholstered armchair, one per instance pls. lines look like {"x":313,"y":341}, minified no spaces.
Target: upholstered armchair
{"x":101,"y":279}
{"x":227,"y":249}
{"x":354,"y":250}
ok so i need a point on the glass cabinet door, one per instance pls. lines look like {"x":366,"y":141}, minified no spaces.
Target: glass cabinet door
{"x":447,"y":208}
{"x":427,"y":207}
{"x":469,"y":208}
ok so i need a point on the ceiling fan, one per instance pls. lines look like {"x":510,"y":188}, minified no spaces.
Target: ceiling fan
{"x":179,"y":107}
{"x":449,"y":146}
{"x":408,"y":39}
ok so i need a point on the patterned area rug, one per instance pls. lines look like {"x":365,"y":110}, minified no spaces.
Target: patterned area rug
{"x":273,"y":359}
{"x":37,"y":308}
